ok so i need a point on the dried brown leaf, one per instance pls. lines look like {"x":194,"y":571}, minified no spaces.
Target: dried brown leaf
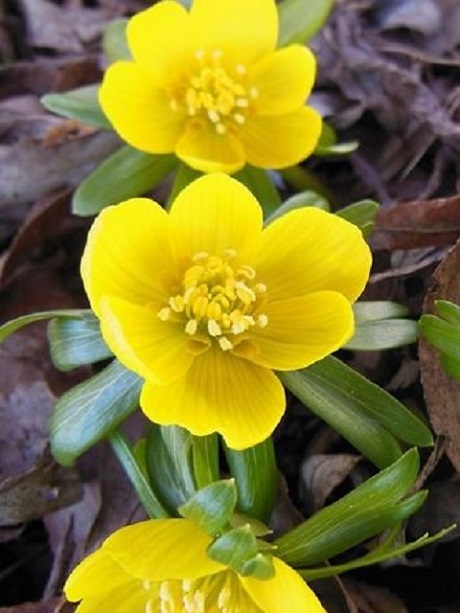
{"x":321,"y":474}
{"x":41,"y":490}
{"x":422,"y":223}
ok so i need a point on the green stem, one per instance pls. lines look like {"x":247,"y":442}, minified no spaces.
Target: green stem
{"x":122,"y":450}
{"x":205,"y":454}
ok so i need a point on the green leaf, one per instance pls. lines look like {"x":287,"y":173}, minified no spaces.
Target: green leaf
{"x":361,"y":214}
{"x":114,"y":42}
{"x":368,"y":510}
{"x":383,"y":334}
{"x":448,"y":311}
{"x":135,"y":474}
{"x":337,"y":407}
{"x":451,"y":366}
{"x":255,"y":473}
{"x":259,"y":183}
{"x":299,"y":20}
{"x":378,"y":309}
{"x":81,"y":104}
{"x":205,"y":458}
{"x":375,"y":556}
{"x":74,"y":342}
{"x":334,"y":387}
{"x":168,"y":455}
{"x":328,"y":145}
{"x":88,"y":412}
{"x":441,"y":334}
{"x":260,"y":566}
{"x":298,"y":201}
{"x":212,"y":506}
{"x":16,"y":324}
{"x":234,"y":548}
{"x":127,"y":173}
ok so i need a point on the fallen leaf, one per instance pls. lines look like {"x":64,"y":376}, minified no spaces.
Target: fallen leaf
{"x":422,"y":223}
{"x":320,"y":474}
{"x":38,"y":491}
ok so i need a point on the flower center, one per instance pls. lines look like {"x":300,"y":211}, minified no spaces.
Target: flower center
{"x":221,"y":593}
{"x":216,"y":94}
{"x":218,"y":300}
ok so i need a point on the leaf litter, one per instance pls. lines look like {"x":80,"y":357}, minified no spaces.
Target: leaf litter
{"x":388,"y":77}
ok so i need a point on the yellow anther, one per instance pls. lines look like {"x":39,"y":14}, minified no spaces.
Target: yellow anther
{"x":244,"y":293}
{"x":191,"y":326}
{"x":242,"y":103}
{"x":262,"y":320}
{"x":164,"y":313}
{"x":239,"y":118}
{"x":225,"y":344}
{"x":214,"y":311}
{"x":230,"y":253}
{"x":220,"y":128}
{"x":213,"y":116}
{"x":146,"y":585}
{"x":177,"y":304}
{"x":200,"y":307}
{"x":239,"y":327}
{"x":248,"y":272}
{"x":213,"y":328}
{"x":201,"y":255}
{"x":253,"y":92}
{"x":260,"y":288}
{"x":241,"y":69}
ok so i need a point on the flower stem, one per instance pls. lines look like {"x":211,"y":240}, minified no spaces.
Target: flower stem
{"x":122,"y":450}
{"x":205,"y":454}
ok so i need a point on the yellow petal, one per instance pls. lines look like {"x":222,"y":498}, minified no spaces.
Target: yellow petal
{"x":128,"y":253}
{"x":95,"y":574}
{"x":283,"y":80}
{"x":213,"y":214}
{"x":229,"y":26}
{"x":287,"y":591}
{"x":220,"y":392}
{"x":139,"y":110}
{"x":162,"y":549}
{"x":123,"y":599}
{"x":154,"y":349}
{"x":202,"y":148}
{"x":277,"y":141}
{"x":150,"y":34}
{"x":309,"y":250}
{"x":303,"y":330}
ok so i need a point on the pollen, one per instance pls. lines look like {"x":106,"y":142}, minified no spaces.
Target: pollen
{"x":215,"y":92}
{"x":220,"y":302}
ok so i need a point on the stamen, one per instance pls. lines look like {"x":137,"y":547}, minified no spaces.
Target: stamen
{"x":218,"y":302}
{"x":220,"y":128}
{"x":241,"y":69}
{"x":164,"y":313}
{"x":253,"y":92}
{"x":262,"y":320}
{"x":213,"y":116}
{"x":225,"y":344}
{"x":239,"y":118}
{"x":213,"y":328}
{"x":199,"y":54}
{"x":191,"y":327}
{"x":242,"y":103}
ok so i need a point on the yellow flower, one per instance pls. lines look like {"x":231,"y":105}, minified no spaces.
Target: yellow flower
{"x":210,"y":86}
{"x":203,"y":303}
{"x":161,"y":565}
